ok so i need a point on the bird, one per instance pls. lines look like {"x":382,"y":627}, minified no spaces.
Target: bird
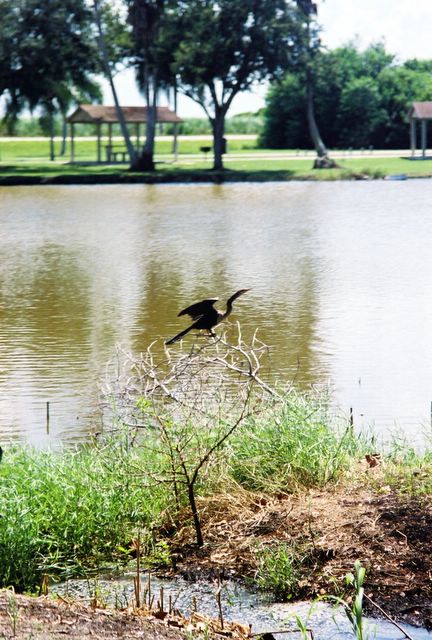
{"x":205,"y":315}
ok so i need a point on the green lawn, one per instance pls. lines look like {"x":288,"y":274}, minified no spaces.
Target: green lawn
{"x":28,"y":160}
{"x":20,"y":150}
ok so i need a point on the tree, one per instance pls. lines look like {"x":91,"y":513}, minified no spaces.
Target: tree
{"x":228,"y":45}
{"x":360,"y":112}
{"x":103,"y":17}
{"x":52,"y":53}
{"x":362,"y":99}
{"x":285,"y":122}
{"x":8,"y":42}
{"x":309,"y":10}
{"x":149,"y":20}
{"x":399,"y":87}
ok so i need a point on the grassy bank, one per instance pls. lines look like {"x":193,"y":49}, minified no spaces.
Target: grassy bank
{"x":251,"y":170}
{"x":68,"y":513}
{"x":26,"y":162}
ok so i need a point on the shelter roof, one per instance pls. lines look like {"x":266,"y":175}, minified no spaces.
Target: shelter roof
{"x":98,"y":113}
{"x":421,"y":110}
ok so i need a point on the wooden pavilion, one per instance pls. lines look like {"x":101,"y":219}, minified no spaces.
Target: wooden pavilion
{"x":420,"y":112}
{"x":99,"y":115}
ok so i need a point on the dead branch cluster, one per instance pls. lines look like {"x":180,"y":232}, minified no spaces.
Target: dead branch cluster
{"x":203,"y":383}
{"x":186,"y":404}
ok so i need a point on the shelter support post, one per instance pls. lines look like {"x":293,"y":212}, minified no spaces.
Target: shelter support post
{"x":423,"y":138}
{"x":72,"y":142}
{"x":413,"y":136}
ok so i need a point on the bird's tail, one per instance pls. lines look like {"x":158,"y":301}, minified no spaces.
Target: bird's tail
{"x":179,"y":336}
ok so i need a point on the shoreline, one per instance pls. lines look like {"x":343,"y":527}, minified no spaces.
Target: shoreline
{"x":196,"y":177}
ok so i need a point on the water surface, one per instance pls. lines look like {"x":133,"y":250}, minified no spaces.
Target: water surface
{"x":341,"y":278}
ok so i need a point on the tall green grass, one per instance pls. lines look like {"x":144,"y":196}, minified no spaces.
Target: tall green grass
{"x":296,"y":443}
{"x":71,"y":511}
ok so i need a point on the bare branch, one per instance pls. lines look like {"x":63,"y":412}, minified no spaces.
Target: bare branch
{"x":187,"y":404}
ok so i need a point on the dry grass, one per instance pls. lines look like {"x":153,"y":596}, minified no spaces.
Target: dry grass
{"x":387,"y":531}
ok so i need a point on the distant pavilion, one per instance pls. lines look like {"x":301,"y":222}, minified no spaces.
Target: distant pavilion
{"x":420,"y":112}
{"x":99,"y":115}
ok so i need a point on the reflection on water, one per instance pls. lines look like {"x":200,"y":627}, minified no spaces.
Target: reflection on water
{"x":340,"y":275}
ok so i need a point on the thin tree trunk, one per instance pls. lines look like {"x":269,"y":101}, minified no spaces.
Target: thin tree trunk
{"x":52,"y":132}
{"x":195,"y":515}
{"x":323,"y":161}
{"x":315,"y":135}
{"x":107,"y":69}
{"x":145,"y":162}
{"x":218,"y":126}
{"x":64,"y":136}
{"x":175,"y":134}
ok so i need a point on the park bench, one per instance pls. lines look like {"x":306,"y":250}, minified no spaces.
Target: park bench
{"x":116,"y":153}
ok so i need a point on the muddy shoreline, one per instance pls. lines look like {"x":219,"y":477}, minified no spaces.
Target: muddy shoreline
{"x":389,"y":533}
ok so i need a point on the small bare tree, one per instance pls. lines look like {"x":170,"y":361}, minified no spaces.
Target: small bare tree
{"x":186,"y":405}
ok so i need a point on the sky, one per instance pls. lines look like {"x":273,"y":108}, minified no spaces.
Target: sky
{"x":403,"y":25}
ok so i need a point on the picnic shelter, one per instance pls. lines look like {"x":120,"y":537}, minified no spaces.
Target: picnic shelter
{"x":103,"y":118}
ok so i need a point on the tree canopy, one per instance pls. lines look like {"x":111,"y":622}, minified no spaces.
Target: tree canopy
{"x":49,"y":53}
{"x":226,"y":46}
{"x":211,"y":51}
{"x":362,"y":99}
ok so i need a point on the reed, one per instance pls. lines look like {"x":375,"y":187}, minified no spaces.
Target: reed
{"x":68,"y":512}
{"x":279,"y":570}
{"x":295,"y":443}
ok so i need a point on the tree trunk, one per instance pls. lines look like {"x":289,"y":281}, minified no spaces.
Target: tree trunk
{"x":218,"y":126}
{"x":195,"y":515}
{"x":145,"y":162}
{"x":52,"y":133}
{"x":323,"y":161}
{"x":175,"y":133}
{"x":107,"y":68}
{"x":64,"y":135}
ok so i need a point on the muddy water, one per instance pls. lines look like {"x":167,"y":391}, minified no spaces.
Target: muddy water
{"x":238,"y":604}
{"x":341,"y":278}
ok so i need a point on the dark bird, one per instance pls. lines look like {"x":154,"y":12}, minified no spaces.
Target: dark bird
{"x":205,"y":315}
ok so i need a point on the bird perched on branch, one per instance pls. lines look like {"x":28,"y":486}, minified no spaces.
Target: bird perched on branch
{"x":205,"y":315}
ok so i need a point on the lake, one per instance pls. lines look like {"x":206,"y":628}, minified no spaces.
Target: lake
{"x":340,"y":276}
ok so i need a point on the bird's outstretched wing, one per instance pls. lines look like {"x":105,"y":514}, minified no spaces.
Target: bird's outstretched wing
{"x":199,"y":309}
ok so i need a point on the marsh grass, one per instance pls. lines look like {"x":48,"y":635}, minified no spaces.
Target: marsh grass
{"x":408,"y":470}
{"x":296,"y":443}
{"x":78,"y":511}
{"x":279,"y":570}
{"x":66,"y":513}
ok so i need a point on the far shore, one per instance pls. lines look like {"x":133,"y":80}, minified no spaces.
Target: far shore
{"x":25,"y":161}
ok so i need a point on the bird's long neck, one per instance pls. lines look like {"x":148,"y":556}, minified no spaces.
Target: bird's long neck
{"x":229,"y":305}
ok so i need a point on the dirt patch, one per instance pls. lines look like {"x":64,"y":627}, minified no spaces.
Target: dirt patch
{"x":24,"y":617}
{"x":27,"y":618}
{"x":389,"y":533}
